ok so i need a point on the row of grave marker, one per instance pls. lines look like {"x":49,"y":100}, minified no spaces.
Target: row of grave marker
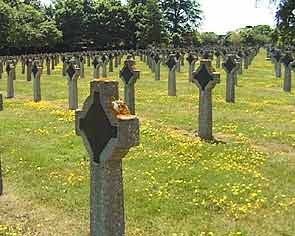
{"x":108,"y":131}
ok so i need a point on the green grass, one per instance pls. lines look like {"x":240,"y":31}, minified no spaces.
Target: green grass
{"x":175,"y":184}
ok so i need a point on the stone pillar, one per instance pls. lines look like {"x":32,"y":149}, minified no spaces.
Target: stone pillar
{"x":241,"y":55}
{"x":111,"y":63}
{"x":14,"y":62}
{"x":287,"y":59}
{"x":277,"y":61}
{"x":82,"y":73}
{"x":218,"y":59}
{"x":73,"y":75}
{"x":230,"y":66}
{"x":191,"y":59}
{"x":129,"y":76}
{"x":23,"y":64}
{"x":1,"y":69}
{"x":96,"y":68}
{"x":52,"y":63}
{"x":63,"y":71}
{"x":278,"y":69}
{"x":178,"y":66}
{"x":10,"y":84}
{"x":88,"y":60}
{"x":48,"y":69}
{"x":108,"y":132}
{"x":206,"y":80}
{"x":246,"y":60}
{"x":171,"y":63}
{"x":29,"y":69}
{"x":36,"y":73}
{"x":157,"y":61}
{"x":116,"y":60}
{"x":104,"y":60}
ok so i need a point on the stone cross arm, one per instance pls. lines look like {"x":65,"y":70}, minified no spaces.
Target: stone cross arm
{"x":107,"y":135}
{"x":204,"y":77}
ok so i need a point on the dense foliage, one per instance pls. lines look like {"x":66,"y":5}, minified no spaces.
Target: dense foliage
{"x":28,"y":26}
{"x":78,"y":24}
{"x":286,"y":22}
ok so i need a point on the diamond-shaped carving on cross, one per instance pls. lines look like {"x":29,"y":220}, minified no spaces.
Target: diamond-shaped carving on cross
{"x":128,"y":72}
{"x":203,"y":76}
{"x":35,"y":69}
{"x":71,"y":70}
{"x":156,"y":58}
{"x":106,"y":134}
{"x":95,"y":62}
{"x":171,"y":62}
{"x":191,"y":58}
{"x":277,"y":56}
{"x":8,"y":66}
{"x":104,"y":58}
{"x":230,"y":64}
{"x":287,"y":59}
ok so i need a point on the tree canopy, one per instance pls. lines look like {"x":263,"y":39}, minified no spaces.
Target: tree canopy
{"x":27,"y":25}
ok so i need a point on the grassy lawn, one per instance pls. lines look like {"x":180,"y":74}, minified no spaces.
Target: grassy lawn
{"x":175,"y":184}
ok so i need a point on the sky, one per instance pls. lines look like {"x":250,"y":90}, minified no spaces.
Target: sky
{"x":221,"y":16}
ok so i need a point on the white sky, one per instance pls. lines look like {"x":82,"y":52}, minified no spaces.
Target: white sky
{"x":221,"y":16}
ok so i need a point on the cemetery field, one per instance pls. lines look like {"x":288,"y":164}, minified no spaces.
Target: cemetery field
{"x":174,"y":183}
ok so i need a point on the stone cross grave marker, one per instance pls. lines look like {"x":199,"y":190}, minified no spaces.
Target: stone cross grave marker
{"x":277,"y":61}
{"x":10,"y":84}
{"x":1,"y":68}
{"x":157,"y":61}
{"x":191,"y":59}
{"x":108,"y":132}
{"x":230,"y":66}
{"x":104,"y":60}
{"x":82,"y":61}
{"x":88,"y":60}
{"x":111,"y":62}
{"x":129,"y":76}
{"x":64,"y":65}
{"x":218,"y":59}
{"x":23,"y":65}
{"x":241,"y":55}
{"x":29,"y":69}
{"x":178,"y":63}
{"x":171,"y":63}
{"x":73,"y":73}
{"x":287,"y":59}
{"x":96,"y":68}
{"x":206,"y":79}
{"x":48,"y":68}
{"x":36,"y":74}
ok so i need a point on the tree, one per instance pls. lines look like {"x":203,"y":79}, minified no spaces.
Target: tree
{"x":233,"y":38}
{"x":69,"y":16}
{"x":7,"y":20}
{"x":285,"y":17}
{"x":257,"y":35}
{"x":209,"y":38}
{"x":147,"y":19}
{"x":30,"y":29}
{"x":181,"y":15}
